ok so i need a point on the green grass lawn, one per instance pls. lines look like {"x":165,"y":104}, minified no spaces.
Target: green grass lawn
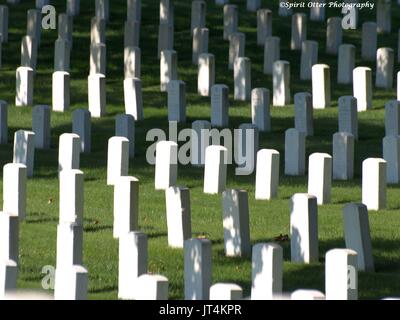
{"x":267,"y":219}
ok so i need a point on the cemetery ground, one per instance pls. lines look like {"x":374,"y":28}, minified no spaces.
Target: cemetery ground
{"x":268,"y":219}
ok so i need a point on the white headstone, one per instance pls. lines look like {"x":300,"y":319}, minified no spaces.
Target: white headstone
{"x":307,"y":294}
{"x":267,"y":271}
{"x":219,"y":105}
{"x":384,"y":68}
{"x":343,"y":156}
{"x":117,"y":160}
{"x":132,"y":33}
{"x":391,"y":154}
{"x":236,"y":223}
{"x":152,"y":287}
{"x":198,"y":18}
{"x":69,"y":150}
{"x":272,"y":53}
{"x":206,"y":74}
{"x":134,"y":10}
{"x":61,"y":91}
{"x":24,"y":149}
{"x":215,"y":170}
{"x":97,"y":95}
{"x":14,"y":190}
{"x":230,"y":20}
{"x":71,"y":283}
{"x":242,"y":79}
{"x":126,"y":206}
{"x":226,"y":292}
{"x":176,"y":101}
{"x":369,"y":41}
{"x":346,"y":63}
{"x":102,"y":9}
{"x":362,"y":88}
{"x":374,"y":183}
{"x":304,"y":113}
{"x":81,"y":125}
{"x":309,"y":57}
{"x":384,"y":16}
{"x":334,"y":35}
{"x":341,"y":278}
{"x":132,"y":62}
{"x":166,"y":171}
{"x":73,"y":7}
{"x":320,"y":177}
{"x":133,"y":98}
{"x":317,"y":11}
{"x":200,"y":43}
{"x":357,"y":234}
{"x":41,"y":126}
{"x":304,"y":228}
{"x":125,"y":127}
{"x":132,"y":263}
{"x":281,"y":83}
{"x":97,"y":30}
{"x":267,"y":175}
{"x":24,"y":86}
{"x":237,"y":44}
{"x":392,"y":118}
{"x":178,"y":216}
{"x":168,"y":68}
{"x":98,"y":58}
{"x":348,"y":117}
{"x":299,"y":30}
{"x":321,"y":86}
{"x":71,"y":196}
{"x":62,"y":55}
{"x":295,"y":152}
{"x":264,"y":25}
{"x":260,"y":109}
{"x":199,"y":142}
{"x":198,"y":269}
{"x":165,"y":37}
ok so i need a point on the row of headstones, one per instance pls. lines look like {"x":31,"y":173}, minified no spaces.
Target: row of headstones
{"x":236,"y":222}
{"x":343,"y":142}
{"x":361,"y":77}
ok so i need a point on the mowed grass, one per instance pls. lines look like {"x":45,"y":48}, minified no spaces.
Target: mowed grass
{"x":267,"y":219}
